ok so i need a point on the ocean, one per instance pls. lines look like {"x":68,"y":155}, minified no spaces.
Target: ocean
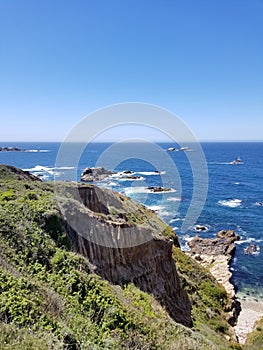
{"x":234,"y":199}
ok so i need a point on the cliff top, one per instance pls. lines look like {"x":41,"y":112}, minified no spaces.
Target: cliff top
{"x":50,"y":295}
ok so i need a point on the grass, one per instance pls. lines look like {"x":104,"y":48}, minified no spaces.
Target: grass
{"x":51,"y":299}
{"x":255,"y":339}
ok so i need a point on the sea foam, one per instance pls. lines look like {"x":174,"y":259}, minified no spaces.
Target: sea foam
{"x":231,"y":203}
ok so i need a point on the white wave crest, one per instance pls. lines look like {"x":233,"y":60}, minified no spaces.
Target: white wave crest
{"x":47,"y":168}
{"x":113,"y":184}
{"x":249,"y":240}
{"x":155,"y":207}
{"x":150,"y":173}
{"x":37,"y":150}
{"x":139,"y":178}
{"x":175,"y":220}
{"x":42,"y":171}
{"x":174,"y":199}
{"x":231,"y":203}
{"x":160,"y":210}
{"x":132,"y":173}
{"x":201,"y":228}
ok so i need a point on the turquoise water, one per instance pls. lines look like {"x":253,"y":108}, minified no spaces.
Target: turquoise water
{"x":233,"y":201}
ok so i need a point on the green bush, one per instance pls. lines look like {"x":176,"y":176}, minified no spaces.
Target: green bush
{"x":51,"y":299}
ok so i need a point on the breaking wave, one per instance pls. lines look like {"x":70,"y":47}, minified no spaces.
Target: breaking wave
{"x":231,"y":203}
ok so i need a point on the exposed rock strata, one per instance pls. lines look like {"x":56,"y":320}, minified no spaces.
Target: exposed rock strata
{"x":122,"y":250}
{"x":216,"y":254}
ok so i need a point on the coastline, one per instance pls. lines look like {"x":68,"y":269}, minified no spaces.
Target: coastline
{"x":251,"y":311}
{"x":216,"y":254}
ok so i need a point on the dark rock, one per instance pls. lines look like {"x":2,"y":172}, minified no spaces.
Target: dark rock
{"x":95,"y":174}
{"x":158,"y":189}
{"x":11,"y":172}
{"x":11,"y":149}
{"x":201,"y":228}
{"x":252,"y":249}
{"x":131,"y":177}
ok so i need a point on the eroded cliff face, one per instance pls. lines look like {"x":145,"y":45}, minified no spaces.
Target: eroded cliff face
{"x":126,"y":242}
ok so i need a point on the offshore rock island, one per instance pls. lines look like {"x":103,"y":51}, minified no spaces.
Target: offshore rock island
{"x":87,"y":268}
{"x":95,"y":174}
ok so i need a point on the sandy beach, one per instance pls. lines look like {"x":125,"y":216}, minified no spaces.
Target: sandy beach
{"x":252,"y":310}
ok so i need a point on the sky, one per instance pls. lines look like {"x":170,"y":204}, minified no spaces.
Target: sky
{"x":62,"y":60}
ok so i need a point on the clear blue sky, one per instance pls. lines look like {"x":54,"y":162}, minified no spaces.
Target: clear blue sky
{"x":61,"y":60}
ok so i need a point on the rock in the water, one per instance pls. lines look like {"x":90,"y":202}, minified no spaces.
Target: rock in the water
{"x":10,"y":149}
{"x":131,"y":177}
{"x":200,"y":228}
{"x":252,"y":249}
{"x":158,"y":189}
{"x":95,"y":174}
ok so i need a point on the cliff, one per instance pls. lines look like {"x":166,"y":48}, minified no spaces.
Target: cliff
{"x":127,"y":243}
{"x":128,"y":289}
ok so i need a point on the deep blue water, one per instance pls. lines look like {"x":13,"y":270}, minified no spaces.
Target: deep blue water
{"x":233,"y":201}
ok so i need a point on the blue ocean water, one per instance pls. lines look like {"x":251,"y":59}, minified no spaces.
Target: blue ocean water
{"x":234,"y":199}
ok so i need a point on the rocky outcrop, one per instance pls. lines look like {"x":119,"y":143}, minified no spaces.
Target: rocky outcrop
{"x":157,"y":189}
{"x":11,"y":172}
{"x":252,"y":249}
{"x":216,"y":254}
{"x":11,"y":149}
{"x":125,"y":242}
{"x":95,"y":174}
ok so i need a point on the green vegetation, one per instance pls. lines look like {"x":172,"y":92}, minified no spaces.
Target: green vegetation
{"x":255,"y":339}
{"x":209,"y":299}
{"x":51,"y":299}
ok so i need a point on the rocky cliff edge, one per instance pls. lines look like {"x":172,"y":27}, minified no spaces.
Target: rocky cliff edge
{"x":125,"y":242}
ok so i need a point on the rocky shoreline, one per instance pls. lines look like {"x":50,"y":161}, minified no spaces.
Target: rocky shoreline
{"x":251,"y":312}
{"x":216,"y":254}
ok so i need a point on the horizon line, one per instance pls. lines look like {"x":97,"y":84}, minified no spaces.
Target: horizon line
{"x":130,"y":141}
